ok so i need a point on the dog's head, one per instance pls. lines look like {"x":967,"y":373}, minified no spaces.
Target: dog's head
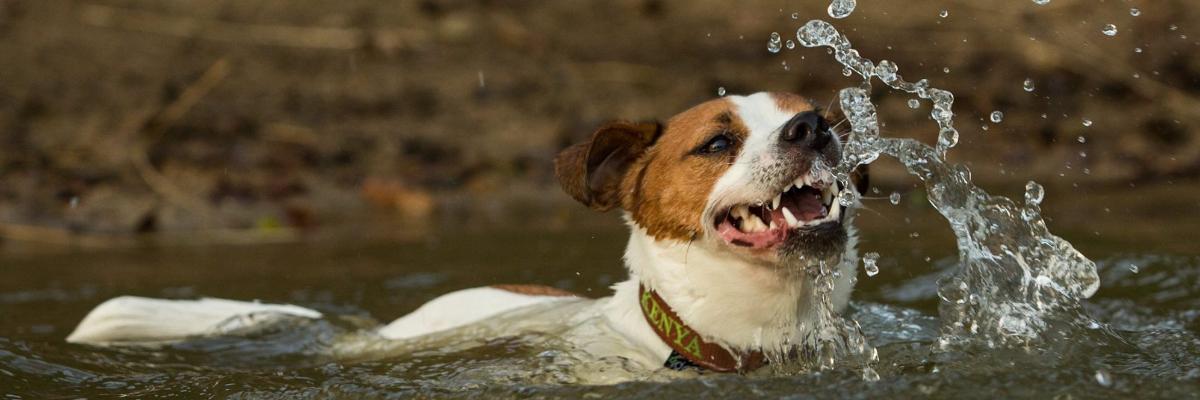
{"x":747,"y":175}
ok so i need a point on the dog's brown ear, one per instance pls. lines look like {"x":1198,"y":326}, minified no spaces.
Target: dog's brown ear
{"x":592,"y":171}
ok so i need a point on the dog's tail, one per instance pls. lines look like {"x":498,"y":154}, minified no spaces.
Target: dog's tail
{"x":134,"y":320}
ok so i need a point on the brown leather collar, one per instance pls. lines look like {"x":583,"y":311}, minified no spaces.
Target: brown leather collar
{"x":688,"y":343}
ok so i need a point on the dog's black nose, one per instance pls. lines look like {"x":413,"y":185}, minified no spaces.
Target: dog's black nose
{"x":807,"y":129}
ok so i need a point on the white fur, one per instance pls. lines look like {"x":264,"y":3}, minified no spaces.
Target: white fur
{"x":460,"y":308}
{"x":727,"y":299}
{"x":140,"y":319}
{"x":764,"y":119}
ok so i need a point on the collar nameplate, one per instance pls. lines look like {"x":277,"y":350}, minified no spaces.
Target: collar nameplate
{"x":688,"y":343}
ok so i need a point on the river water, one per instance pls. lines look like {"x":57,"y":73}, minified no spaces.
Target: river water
{"x":1153,"y":314}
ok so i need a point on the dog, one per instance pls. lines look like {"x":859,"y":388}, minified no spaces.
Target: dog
{"x":731,"y":207}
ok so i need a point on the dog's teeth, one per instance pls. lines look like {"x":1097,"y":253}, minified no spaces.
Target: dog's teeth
{"x":827,"y":195}
{"x":775,"y":202}
{"x":742,"y":212}
{"x":791,"y":219}
{"x":753,"y":224}
{"x":800,"y":182}
{"x":773,"y":225}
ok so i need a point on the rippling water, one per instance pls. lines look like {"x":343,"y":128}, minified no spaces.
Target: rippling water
{"x":1144,"y":346}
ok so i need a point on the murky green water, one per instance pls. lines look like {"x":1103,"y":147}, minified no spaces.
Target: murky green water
{"x":1147,"y":349}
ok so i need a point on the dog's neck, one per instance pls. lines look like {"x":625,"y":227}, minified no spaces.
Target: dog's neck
{"x":730,"y":301}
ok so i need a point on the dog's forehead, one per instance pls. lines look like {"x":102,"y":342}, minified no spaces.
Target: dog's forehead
{"x":763,"y":111}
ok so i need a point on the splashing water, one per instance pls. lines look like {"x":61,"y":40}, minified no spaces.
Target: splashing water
{"x":1109,"y":30}
{"x":1015,"y":279}
{"x":774,"y":42}
{"x":841,"y":8}
{"x":869,"y":263}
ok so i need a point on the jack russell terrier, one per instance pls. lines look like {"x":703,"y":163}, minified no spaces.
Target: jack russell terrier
{"x":730,"y":204}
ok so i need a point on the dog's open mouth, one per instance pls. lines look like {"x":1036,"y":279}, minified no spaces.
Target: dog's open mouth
{"x":806,"y":203}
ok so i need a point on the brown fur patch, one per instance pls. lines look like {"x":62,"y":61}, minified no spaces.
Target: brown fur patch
{"x":592,"y":171}
{"x":793,"y":103}
{"x":668,"y":189}
{"x":535,"y":290}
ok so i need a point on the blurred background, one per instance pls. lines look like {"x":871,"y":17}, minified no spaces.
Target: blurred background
{"x":199,"y":121}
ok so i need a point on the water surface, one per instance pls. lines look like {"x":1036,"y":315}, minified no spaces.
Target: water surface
{"x":1149,"y":267}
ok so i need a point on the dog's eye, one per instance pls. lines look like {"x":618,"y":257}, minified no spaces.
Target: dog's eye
{"x":717,"y":144}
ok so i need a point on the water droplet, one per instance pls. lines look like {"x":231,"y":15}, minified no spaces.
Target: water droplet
{"x":1135,"y":12}
{"x":997,"y":116}
{"x":944,"y":14}
{"x":886,"y":71}
{"x":1103,"y":378}
{"x":795,"y":15}
{"x":774,"y":42}
{"x":721,"y":91}
{"x":1087,"y":122}
{"x":1034,"y":193}
{"x":947,"y":138}
{"x":74,"y":201}
{"x":789,"y":44}
{"x":1133,"y":268}
{"x":846,"y":198}
{"x":841,"y":8}
{"x":1137,"y":49}
{"x":894,"y":198}
{"x":1110,"y":30}
{"x":913,"y":103}
{"x":1173,"y":27}
{"x":1028,"y":85}
{"x":946,"y":70}
{"x":869,"y":263}
{"x":1041,"y":2}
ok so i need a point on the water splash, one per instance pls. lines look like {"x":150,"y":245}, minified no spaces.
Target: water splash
{"x":1015,"y":279}
{"x":869,"y":263}
{"x":841,"y":8}
{"x":1109,"y":30}
{"x":774,"y":42}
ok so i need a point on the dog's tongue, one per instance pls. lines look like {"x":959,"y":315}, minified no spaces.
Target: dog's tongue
{"x":807,"y":205}
{"x":755,"y":240}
